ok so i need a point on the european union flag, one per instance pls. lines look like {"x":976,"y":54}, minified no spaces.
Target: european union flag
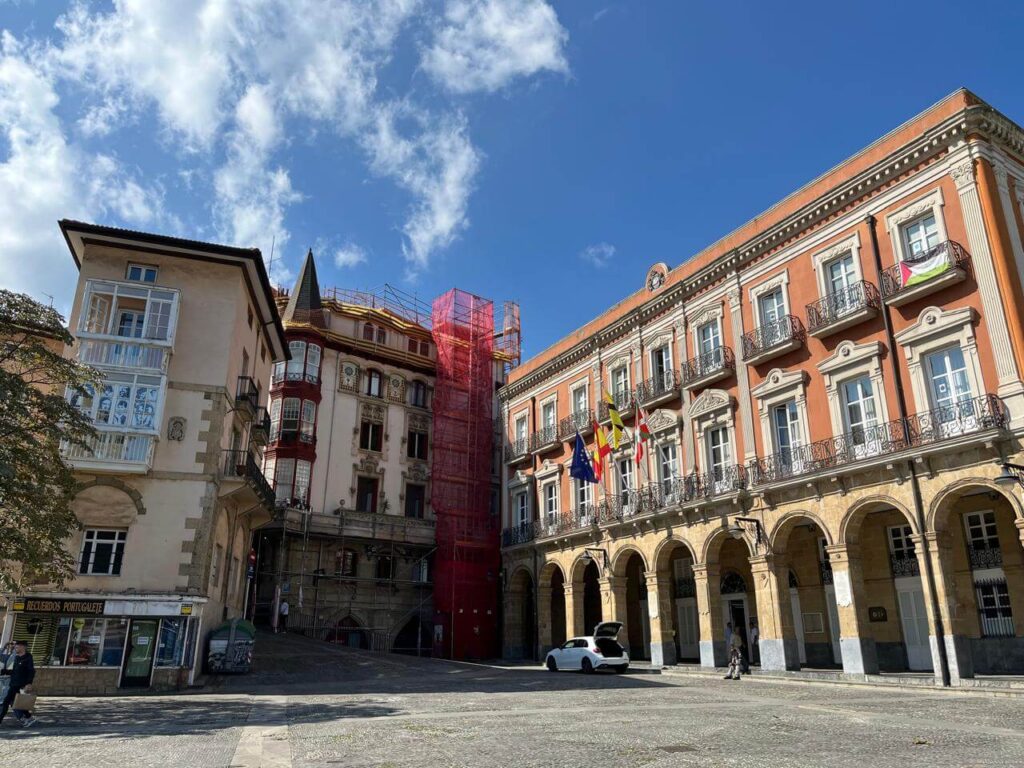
{"x":581,"y":467}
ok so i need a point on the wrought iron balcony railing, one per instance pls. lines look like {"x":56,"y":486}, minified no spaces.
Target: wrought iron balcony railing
{"x":520,"y":534}
{"x":716,"y":482}
{"x":582,"y":517}
{"x":659,"y":387}
{"x":719,"y":360}
{"x":904,"y":564}
{"x":517,"y":449}
{"x":581,"y":420}
{"x":623,"y":402}
{"x":921,"y":429}
{"x":283,"y":374}
{"x":293,"y":437}
{"x":242,"y":464}
{"x":892,"y":278}
{"x":984,"y":557}
{"x":260,"y":429}
{"x":785,"y":331}
{"x":247,"y":396}
{"x":841,"y":305}
{"x":543,"y":438}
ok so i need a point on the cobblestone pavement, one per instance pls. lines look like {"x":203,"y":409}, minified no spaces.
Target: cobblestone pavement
{"x":327,"y":706}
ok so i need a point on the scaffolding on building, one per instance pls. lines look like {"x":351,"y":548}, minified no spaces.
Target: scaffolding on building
{"x":467,"y":560}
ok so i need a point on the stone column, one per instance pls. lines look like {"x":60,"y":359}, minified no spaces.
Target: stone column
{"x":992,"y":305}
{"x":860,"y":657}
{"x":712,"y":631}
{"x":573,"y":609}
{"x":659,"y":608}
{"x":742,"y":375}
{"x":613,"y":605}
{"x":958,"y":646}
{"x":778,"y":645}
{"x":543,"y":620}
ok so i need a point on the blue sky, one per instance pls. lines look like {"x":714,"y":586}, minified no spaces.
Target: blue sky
{"x":546,"y":152}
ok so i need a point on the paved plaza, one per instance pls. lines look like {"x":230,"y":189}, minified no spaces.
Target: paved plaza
{"x":335,"y":707}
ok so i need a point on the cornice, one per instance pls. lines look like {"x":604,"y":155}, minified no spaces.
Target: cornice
{"x":976,"y":119}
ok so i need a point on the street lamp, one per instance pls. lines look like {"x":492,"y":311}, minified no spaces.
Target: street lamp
{"x":737,"y":531}
{"x":588,"y":557}
{"x":1010,"y":475}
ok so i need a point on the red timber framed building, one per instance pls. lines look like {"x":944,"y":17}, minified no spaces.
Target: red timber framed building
{"x":382,"y":459}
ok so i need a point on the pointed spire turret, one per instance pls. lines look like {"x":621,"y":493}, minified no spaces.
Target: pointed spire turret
{"x":304,"y":301}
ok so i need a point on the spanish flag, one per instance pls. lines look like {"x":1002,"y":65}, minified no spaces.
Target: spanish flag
{"x":617,"y":425}
{"x":603,"y":449}
{"x":598,"y":466}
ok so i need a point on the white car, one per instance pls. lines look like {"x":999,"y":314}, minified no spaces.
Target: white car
{"x":601,"y":651}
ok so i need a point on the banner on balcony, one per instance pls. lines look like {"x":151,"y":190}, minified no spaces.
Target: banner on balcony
{"x":581,"y":468}
{"x":923,"y":266}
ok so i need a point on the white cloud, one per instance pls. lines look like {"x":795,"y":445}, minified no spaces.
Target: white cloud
{"x":349,"y":255}
{"x":598,"y":254}
{"x":482,"y":45}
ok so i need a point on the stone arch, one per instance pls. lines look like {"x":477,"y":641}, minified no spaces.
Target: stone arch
{"x":779,"y":536}
{"x":347,"y":613}
{"x":547,"y":573}
{"x":667,"y":546}
{"x":579,"y":566}
{"x":713,"y":545}
{"x":855,"y":515}
{"x":939,"y":509}
{"x":102,"y":483}
{"x":621,"y":558}
{"x":520,"y":570}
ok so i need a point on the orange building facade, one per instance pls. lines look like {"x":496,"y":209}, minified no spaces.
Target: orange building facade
{"x":832,"y":391}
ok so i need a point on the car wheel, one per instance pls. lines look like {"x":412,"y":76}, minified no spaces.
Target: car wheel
{"x":552,"y":666}
{"x":587,"y":667}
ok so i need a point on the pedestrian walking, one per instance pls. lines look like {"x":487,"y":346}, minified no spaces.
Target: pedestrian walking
{"x":735,"y":656}
{"x":282,"y":623}
{"x":755,"y":637}
{"x":21,"y":674}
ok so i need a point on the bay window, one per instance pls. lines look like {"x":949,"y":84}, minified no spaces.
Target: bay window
{"x":313,"y":363}
{"x":295,"y":365}
{"x":308,"y":420}
{"x":275,"y":418}
{"x":290,"y":416}
{"x":129,"y":401}
{"x":129,"y":311}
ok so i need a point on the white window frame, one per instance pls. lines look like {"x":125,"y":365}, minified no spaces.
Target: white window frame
{"x":521,"y":508}
{"x":853,"y":361}
{"x":612,"y":377}
{"x":779,"y":387}
{"x":665,"y":347}
{"x":552,"y":403}
{"x":935,"y":330}
{"x":133,"y":381}
{"x":144,"y":269}
{"x":584,"y":387}
{"x":119,"y":543}
{"x":897,"y":221}
{"x":903,"y":535}
{"x":111,"y":290}
{"x":779,"y":281}
{"x":714,"y":408}
{"x":703,"y":316}
{"x":979,"y":515}
{"x":522,"y":418}
{"x":822,"y":260}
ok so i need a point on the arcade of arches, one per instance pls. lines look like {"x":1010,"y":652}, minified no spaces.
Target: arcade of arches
{"x":846,"y":582}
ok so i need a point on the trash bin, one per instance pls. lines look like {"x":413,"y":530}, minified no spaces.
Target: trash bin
{"x":229,"y":647}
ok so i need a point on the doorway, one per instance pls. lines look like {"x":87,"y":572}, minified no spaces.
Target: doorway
{"x":138,"y":663}
{"x":914,"y":622}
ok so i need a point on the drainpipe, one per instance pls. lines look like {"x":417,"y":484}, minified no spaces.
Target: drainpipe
{"x":536,"y":609}
{"x":940,"y":632}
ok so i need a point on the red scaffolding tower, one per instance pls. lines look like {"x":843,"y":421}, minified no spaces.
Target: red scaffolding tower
{"x":468,"y":559}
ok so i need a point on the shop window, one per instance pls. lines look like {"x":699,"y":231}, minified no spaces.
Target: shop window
{"x":57,"y":641}
{"x":417,"y":448}
{"x":170,"y":648}
{"x":415,"y":500}
{"x":102,"y":552}
{"x":371,"y":436}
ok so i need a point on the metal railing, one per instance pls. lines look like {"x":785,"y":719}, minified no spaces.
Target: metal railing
{"x":770,"y":335}
{"x":841,"y":304}
{"x":246,"y":393}
{"x":656,"y":387}
{"x":962,"y":418}
{"x":279,"y":375}
{"x":292,"y":437}
{"x":716,"y":482}
{"x":520,"y":534}
{"x":122,"y":354}
{"x":904,"y":564}
{"x":984,"y":557}
{"x":581,"y":420}
{"x":892,"y":278}
{"x":544,"y":437}
{"x":242,"y":464}
{"x":517,"y":449}
{"x":707,"y":363}
{"x":111,"y":446}
{"x":260,"y":430}
{"x":623,"y":402}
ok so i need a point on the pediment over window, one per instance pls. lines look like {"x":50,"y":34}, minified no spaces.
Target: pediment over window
{"x":848,"y":354}
{"x":662,"y":420}
{"x":518,"y":480}
{"x":934,"y":321}
{"x":661,"y":340}
{"x":710,"y":400}
{"x":778,"y":380}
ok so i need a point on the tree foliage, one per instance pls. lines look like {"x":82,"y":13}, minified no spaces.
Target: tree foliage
{"x":36,"y":486}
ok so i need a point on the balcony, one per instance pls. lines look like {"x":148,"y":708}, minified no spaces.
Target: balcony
{"x":773,"y":339}
{"x":904,"y":564}
{"x":843,"y":309}
{"x":580,"y":420}
{"x":131,"y":314}
{"x":259,"y":432}
{"x":880,"y":442}
{"x":984,"y":557}
{"x":247,"y":397}
{"x":112,"y":451}
{"x":291,"y":436}
{"x":708,"y":367}
{"x":545,"y":439}
{"x":617,"y":507}
{"x":898,"y":290}
{"x":720,"y":481}
{"x":283,"y":372}
{"x":658,"y":389}
{"x":583,"y":518}
{"x":623,"y":402}
{"x":520,"y":534}
{"x":123,"y":354}
{"x":517,"y":451}
{"x":241,"y":465}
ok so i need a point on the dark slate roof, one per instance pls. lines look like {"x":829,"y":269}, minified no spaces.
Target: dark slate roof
{"x":304,"y":300}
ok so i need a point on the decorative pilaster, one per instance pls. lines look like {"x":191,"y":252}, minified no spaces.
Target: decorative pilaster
{"x":659,"y":609}
{"x":860,"y":656}
{"x":778,"y":645}
{"x":712,"y":629}
{"x":742,"y":374}
{"x":574,"y":609}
